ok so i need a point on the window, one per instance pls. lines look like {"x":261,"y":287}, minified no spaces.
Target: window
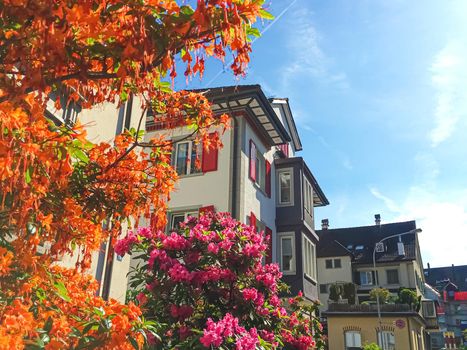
{"x":353,"y":340}
{"x":323,"y":288}
{"x":386,"y":340}
{"x":359,"y":247}
{"x":260,"y":169}
{"x":337,"y":263}
{"x":186,"y":153}
{"x":287,"y":253}
{"x":177,"y":218}
{"x":285,"y":186}
{"x":308,"y":196}
{"x":366,"y":278}
{"x":309,"y":257}
{"x":429,"y":309}
{"x":333,"y":263}
{"x":392,"y":276}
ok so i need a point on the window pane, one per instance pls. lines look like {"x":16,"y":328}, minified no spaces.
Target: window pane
{"x":353,"y":340}
{"x":177,"y":219}
{"x":285,"y":179}
{"x":286,"y":254}
{"x":195,"y":153}
{"x":323,"y":288}
{"x":393,"y":276}
{"x":337,"y":263}
{"x":329,"y":263}
{"x":182,"y":158}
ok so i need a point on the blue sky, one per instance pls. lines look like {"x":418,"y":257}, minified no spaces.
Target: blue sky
{"x":379,"y":93}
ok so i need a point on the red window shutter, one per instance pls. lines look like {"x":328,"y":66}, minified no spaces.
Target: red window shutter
{"x":253,"y":220}
{"x":268,"y":233}
{"x":268,"y":179}
{"x":206,"y":209}
{"x":252,"y":160}
{"x":209,"y":158}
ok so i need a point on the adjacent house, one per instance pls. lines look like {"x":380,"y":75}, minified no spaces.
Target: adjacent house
{"x":256,"y":176}
{"x":354,"y":260}
{"x":451,"y":283}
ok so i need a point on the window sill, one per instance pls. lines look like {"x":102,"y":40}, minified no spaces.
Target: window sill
{"x":310,"y":279}
{"x":280,"y":205}
{"x":288,"y":273}
{"x":190,"y":175}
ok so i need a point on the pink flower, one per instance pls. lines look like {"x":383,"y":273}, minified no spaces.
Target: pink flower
{"x":181,"y":312}
{"x":124,"y":245}
{"x":175,"y":242}
{"x":179,"y":273}
{"x":142,"y":299}
{"x":248,"y":341}
{"x":250,"y":294}
{"x":213,"y":248}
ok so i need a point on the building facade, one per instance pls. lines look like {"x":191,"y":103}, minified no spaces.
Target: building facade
{"x":256,"y":176}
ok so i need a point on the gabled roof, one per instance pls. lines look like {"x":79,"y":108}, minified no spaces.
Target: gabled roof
{"x":440,"y":276}
{"x":250,"y":97}
{"x":283,"y":103}
{"x":332,"y":242}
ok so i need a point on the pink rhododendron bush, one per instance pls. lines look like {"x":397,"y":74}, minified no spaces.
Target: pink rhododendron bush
{"x":207,"y":287}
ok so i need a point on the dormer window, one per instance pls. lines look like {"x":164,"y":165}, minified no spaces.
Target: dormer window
{"x":359,"y":247}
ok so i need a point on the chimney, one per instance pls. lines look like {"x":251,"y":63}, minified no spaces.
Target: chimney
{"x":324,"y":224}
{"x":428,"y":265}
{"x":377,"y":219}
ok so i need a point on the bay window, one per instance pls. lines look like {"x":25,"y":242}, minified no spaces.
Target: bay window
{"x":285,"y":186}
{"x":309,"y":257}
{"x":287,"y":252}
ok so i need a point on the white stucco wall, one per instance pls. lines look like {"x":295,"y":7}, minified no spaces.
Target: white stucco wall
{"x":329,"y":276}
{"x":101,"y":125}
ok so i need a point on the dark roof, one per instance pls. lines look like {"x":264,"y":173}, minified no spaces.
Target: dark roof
{"x":226,"y":98}
{"x":343,"y":241}
{"x":439,"y":277}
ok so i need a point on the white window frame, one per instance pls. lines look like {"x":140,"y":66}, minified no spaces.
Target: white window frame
{"x":309,"y":257}
{"x":384,"y":340}
{"x":356,"y":341}
{"x":291,"y":196}
{"x":185,"y":213}
{"x":308,"y":196}
{"x":190,"y":151}
{"x":367,"y":273}
{"x":287,"y":235}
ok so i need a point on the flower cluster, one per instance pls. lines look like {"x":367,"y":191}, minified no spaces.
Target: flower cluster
{"x":208,"y":277}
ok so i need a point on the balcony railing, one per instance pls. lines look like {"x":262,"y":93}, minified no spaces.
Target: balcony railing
{"x":372,"y":308}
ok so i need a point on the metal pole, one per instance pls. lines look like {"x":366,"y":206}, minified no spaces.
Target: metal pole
{"x":417,"y":230}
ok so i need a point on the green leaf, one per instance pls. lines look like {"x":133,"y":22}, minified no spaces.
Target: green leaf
{"x":253,"y":32}
{"x":134,"y":343}
{"x":265,"y":14}
{"x":48,"y":325}
{"x":27,"y":175}
{"x":62,"y":292}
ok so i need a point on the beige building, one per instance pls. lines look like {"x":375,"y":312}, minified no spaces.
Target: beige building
{"x":353,"y":326}
{"x":103,"y":123}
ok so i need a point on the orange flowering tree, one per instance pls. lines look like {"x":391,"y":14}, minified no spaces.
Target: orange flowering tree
{"x":58,"y":188}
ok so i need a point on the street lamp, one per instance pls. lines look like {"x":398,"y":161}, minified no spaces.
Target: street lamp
{"x":417,"y":230}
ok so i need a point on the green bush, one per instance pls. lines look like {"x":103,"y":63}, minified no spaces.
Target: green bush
{"x":371,"y":346}
{"x":382,"y":293}
{"x":349,"y":292}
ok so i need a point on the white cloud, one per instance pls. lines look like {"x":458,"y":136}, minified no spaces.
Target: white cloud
{"x":443,"y":221}
{"x":390,"y":204}
{"x":449,"y":76}
{"x":306,"y":55}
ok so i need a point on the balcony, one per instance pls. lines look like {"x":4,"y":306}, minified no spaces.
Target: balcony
{"x":371,"y":308}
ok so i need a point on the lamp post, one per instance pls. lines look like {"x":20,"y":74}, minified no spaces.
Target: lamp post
{"x":417,"y":230}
